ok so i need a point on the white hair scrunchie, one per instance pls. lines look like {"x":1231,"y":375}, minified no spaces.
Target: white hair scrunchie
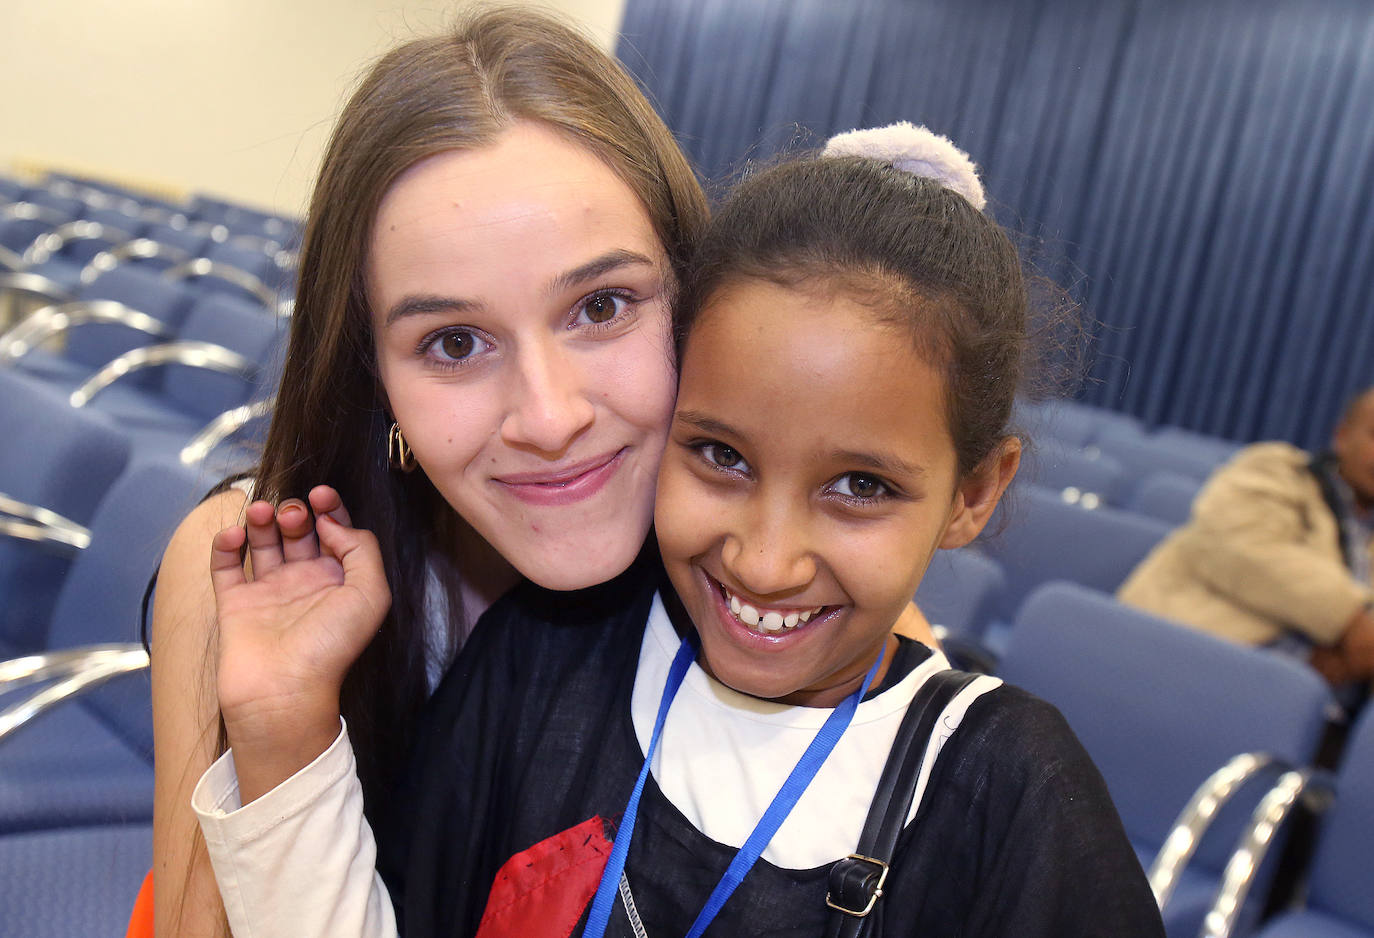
{"x":917,"y":150}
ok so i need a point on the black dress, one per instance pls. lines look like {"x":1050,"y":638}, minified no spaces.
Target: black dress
{"x":530,"y":734}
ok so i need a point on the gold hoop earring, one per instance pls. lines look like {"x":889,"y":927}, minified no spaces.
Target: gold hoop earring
{"x":398,"y":453}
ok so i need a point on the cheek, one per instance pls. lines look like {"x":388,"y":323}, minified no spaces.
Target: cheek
{"x":445,"y":425}
{"x":637,"y":379}
{"x":882,"y":566}
{"x":680,"y":512}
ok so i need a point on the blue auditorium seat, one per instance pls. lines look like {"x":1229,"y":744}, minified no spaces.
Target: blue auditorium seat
{"x":1037,"y":536}
{"x":65,"y":883}
{"x":958,"y":591}
{"x":1054,"y":465}
{"x":1072,"y":423}
{"x":1340,"y":902}
{"x":1144,"y":456}
{"x":89,"y":761}
{"x":56,"y":458}
{"x":186,"y":396}
{"x":1160,"y":707}
{"x":1167,"y":496}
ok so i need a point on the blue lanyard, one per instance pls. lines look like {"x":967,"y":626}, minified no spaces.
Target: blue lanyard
{"x":807,"y":766}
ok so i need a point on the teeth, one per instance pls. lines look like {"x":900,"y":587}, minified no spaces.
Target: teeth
{"x":768,"y":621}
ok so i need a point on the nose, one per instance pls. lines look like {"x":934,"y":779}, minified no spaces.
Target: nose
{"x":768,"y":550}
{"x":548,"y":406}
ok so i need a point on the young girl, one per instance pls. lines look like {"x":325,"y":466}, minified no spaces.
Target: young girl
{"x":849,"y":342}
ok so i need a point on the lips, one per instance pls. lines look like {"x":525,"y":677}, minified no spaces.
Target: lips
{"x":565,"y":484}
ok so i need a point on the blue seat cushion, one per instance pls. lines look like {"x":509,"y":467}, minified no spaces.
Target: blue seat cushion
{"x":67,"y":768}
{"x":55,"y":884}
{"x":1310,"y":924}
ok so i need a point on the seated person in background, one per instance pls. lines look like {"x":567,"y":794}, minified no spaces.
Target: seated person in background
{"x":1277,"y":552}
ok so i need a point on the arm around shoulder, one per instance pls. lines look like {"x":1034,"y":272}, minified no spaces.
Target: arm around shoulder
{"x":186,"y":720}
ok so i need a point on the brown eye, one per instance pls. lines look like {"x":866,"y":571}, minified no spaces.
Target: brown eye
{"x":723,"y":457}
{"x":600,"y":308}
{"x":457,"y":345}
{"x":860,"y":486}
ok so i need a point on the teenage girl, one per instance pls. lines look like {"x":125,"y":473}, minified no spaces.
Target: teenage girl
{"x":696,"y":744}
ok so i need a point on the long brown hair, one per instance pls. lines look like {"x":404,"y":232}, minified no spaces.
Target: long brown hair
{"x":452,"y":92}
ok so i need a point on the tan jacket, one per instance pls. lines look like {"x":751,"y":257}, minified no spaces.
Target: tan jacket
{"x":1261,"y":555}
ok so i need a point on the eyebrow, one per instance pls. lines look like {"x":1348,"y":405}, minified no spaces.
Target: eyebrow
{"x":595,"y":268}
{"x":598,"y":267}
{"x":885,"y":463}
{"x":421,"y":305}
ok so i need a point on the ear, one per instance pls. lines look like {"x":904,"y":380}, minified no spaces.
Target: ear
{"x":979,"y":492}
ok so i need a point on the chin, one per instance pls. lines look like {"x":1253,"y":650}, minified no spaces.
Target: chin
{"x":588,"y":564}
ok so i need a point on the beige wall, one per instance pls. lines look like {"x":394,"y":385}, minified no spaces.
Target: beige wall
{"x":229,"y":97}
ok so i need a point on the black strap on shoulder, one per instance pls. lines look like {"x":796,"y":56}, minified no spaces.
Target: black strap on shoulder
{"x":856,"y":882}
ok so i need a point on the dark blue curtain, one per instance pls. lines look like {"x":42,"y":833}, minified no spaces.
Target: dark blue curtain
{"x":1198,"y":173}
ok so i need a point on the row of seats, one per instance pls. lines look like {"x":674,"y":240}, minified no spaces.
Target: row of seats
{"x":119,"y":390}
{"x":1110,"y":458}
{"x":1207,"y":748}
{"x":55,"y":240}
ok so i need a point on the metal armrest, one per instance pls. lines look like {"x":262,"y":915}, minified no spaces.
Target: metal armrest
{"x":1196,"y":816}
{"x":1252,"y":848}
{"x":27,"y":211}
{"x":61,"y":538}
{"x":204,"y":267}
{"x":138,"y":249}
{"x":49,"y":321}
{"x":46,"y":245}
{"x":217,"y":430}
{"x":206,"y":355}
{"x":73,"y":672}
{"x":34,"y":287}
{"x":31,"y":523}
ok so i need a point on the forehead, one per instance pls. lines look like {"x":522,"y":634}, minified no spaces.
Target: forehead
{"x":824,"y":368}
{"x":533,"y":194}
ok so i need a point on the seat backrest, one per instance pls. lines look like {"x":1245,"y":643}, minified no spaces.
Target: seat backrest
{"x":102,"y":594}
{"x":1072,"y":423}
{"x":138,"y":288}
{"x":1160,"y":706}
{"x":56,"y":457}
{"x":1053,"y":465}
{"x":958,"y":590}
{"x":1167,"y":496}
{"x":241,"y":326}
{"x":1037,"y":537}
{"x":1340,"y":880}
{"x":1145,"y":456}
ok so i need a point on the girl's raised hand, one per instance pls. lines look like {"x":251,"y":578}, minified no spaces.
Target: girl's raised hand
{"x":290,"y":629}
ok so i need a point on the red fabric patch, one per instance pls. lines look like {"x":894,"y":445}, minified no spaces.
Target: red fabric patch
{"x":543,"y":891}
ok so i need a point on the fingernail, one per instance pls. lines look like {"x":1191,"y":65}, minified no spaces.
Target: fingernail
{"x":289,"y":508}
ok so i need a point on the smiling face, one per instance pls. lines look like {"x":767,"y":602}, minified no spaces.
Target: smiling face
{"x":520,"y":304}
{"x":809,"y":477}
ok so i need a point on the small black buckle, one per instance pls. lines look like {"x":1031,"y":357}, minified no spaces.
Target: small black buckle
{"x":855,"y":873}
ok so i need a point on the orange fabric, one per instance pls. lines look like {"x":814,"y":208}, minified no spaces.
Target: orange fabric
{"x":141,"y":921}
